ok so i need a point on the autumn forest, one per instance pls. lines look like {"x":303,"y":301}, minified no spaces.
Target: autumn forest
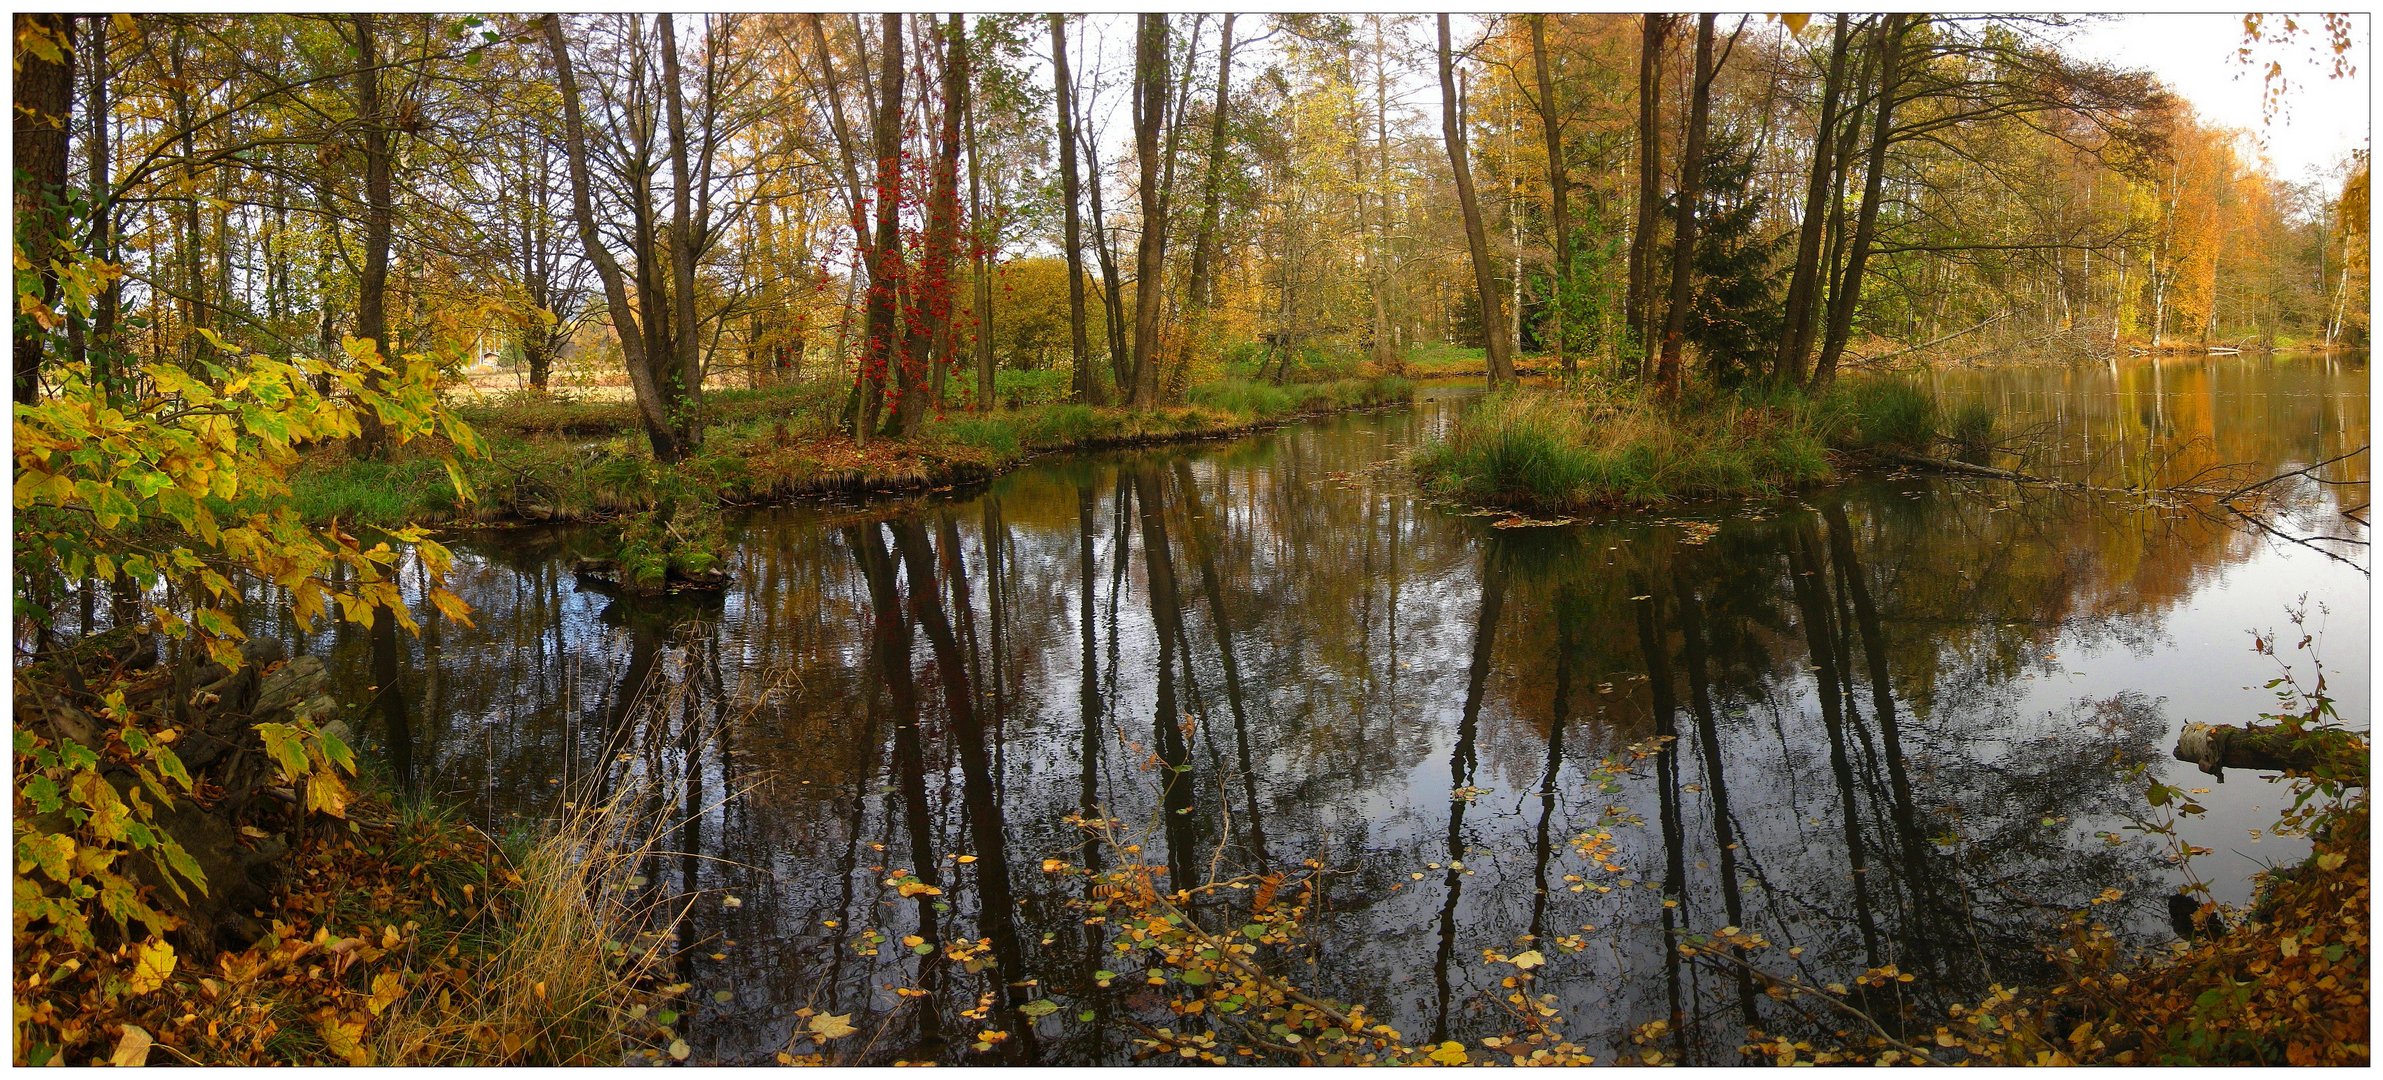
{"x":1378,"y":538}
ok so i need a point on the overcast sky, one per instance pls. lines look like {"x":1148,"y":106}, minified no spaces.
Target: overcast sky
{"x":2324,"y":118}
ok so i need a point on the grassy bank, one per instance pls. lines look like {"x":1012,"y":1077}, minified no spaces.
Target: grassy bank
{"x":559,"y":460}
{"x":1603,"y":445}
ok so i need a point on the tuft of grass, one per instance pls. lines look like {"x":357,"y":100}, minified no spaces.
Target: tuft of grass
{"x":1883,"y":411}
{"x":1602,"y":444}
{"x":1242,"y":397}
{"x":1971,"y":429}
{"x":556,"y":981}
{"x":384,"y":493}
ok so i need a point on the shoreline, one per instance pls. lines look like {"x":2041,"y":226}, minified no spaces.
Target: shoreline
{"x":774,"y":468}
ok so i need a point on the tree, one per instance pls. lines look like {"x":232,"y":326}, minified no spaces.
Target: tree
{"x":1652,"y":29}
{"x":1150,"y":120}
{"x":1087,"y":381}
{"x":1683,"y":234}
{"x":659,"y":337}
{"x":44,"y":86}
{"x":1561,"y":225}
{"x":1452,"y":129}
{"x":1734,"y":316}
{"x":1846,"y":295}
{"x":1202,"y":287}
{"x":879,"y":332}
{"x":1803,"y":287}
{"x":372,"y":311}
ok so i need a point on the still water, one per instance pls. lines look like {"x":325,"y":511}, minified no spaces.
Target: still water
{"x":1907,"y":716}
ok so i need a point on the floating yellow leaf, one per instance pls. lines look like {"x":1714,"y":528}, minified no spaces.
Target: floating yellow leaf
{"x":1449,"y":1053}
{"x":832,"y":1026}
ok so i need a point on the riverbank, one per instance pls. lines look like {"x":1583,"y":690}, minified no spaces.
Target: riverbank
{"x":1606,"y":446}
{"x":297,"y":919}
{"x":554,"y":460}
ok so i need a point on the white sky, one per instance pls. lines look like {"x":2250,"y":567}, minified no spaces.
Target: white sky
{"x":2322,"y":120}
{"x":2195,"y":54}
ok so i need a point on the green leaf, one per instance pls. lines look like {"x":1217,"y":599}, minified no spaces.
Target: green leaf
{"x":42,"y":792}
{"x":286,"y":747}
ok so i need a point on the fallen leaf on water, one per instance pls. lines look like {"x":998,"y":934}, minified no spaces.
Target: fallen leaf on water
{"x":832,"y":1026}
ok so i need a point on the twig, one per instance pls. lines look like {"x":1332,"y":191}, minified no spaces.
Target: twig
{"x":2303,"y":471}
{"x":1831,"y":999}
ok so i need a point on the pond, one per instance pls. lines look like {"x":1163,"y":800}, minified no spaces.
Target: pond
{"x":1909,"y":718}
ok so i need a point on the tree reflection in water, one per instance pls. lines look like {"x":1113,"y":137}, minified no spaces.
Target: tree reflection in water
{"x":1874,"y":756}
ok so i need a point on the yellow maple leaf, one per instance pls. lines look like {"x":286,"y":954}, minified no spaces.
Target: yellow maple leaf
{"x":346,"y":1038}
{"x":1529,"y":960}
{"x":1449,"y":1053}
{"x":155,"y":961}
{"x":831,"y":1026}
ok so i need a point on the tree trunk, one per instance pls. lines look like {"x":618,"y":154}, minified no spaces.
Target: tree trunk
{"x":1683,"y":235}
{"x":44,"y":101}
{"x":1849,"y":292}
{"x":980,"y":248}
{"x":880,"y":329}
{"x":1804,"y":287}
{"x":103,"y":348}
{"x":1551,"y":127}
{"x":372,"y":312}
{"x":1150,"y":119}
{"x":1493,"y":317}
{"x":1087,"y":382}
{"x":930,"y":346}
{"x":1112,"y":285}
{"x":1650,"y":197}
{"x":686,"y":405}
{"x":1203,"y":287}
{"x":1388,"y":355}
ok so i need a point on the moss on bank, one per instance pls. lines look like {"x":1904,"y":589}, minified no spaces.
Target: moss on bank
{"x":556,"y":460}
{"x":1602,"y":445}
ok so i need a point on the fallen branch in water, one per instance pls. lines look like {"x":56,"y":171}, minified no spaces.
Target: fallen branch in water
{"x":2271,"y":748}
{"x":1850,"y":361}
{"x":2308,"y":471}
{"x":2222,"y":495}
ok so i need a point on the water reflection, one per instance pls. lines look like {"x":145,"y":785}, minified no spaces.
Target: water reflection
{"x":1886,"y":724}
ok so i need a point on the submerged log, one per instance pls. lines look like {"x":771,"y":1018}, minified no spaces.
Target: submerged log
{"x":2328,"y":752}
